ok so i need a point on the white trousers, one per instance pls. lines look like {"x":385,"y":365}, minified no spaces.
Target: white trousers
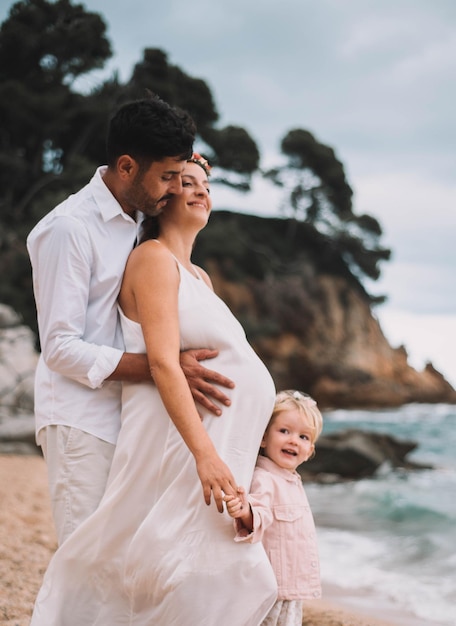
{"x":78,"y":465}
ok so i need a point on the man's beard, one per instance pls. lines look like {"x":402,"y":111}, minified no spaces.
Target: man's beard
{"x":140,"y":200}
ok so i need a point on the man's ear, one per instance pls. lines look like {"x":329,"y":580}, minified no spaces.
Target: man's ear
{"x":126,"y":166}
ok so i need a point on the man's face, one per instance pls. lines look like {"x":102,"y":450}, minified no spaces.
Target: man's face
{"x":150,"y":190}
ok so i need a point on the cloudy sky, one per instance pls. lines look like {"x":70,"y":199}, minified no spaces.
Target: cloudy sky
{"x":373,"y":79}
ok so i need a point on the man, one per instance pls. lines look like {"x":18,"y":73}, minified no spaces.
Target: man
{"x":78,"y":253}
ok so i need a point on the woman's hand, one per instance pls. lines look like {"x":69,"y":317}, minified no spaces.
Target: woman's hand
{"x":201,"y":380}
{"x":216,"y":479}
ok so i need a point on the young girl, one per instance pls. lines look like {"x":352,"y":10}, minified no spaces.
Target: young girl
{"x":277,"y":511}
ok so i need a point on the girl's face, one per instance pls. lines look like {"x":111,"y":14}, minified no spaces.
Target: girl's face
{"x":194,"y":200}
{"x":288,"y":439}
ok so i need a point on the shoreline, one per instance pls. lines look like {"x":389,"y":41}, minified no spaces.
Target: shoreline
{"x":328,"y":612}
{"x":369,"y":609}
{"x":27,"y":542}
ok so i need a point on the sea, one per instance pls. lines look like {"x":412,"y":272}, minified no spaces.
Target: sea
{"x":388,"y":543}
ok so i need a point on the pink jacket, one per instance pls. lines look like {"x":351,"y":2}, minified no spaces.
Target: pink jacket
{"x":283,"y":521}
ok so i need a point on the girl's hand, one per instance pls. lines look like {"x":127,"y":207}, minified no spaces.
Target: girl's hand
{"x":237,"y":505}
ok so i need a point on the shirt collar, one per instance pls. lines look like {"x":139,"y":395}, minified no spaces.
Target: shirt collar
{"x":265,"y":463}
{"x":108,"y":205}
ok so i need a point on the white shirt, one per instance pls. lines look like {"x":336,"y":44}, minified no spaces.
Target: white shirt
{"x":78,"y":253}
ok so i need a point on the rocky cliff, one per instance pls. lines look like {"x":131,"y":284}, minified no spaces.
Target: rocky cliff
{"x":18,"y":359}
{"x":307,"y":317}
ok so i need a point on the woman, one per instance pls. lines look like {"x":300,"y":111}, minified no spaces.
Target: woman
{"x":154,"y":552}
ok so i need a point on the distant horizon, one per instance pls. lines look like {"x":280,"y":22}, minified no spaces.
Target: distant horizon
{"x":426,"y":338}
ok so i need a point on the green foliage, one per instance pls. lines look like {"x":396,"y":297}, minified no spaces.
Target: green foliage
{"x":49,"y":44}
{"x":317,"y":192}
{"x":52,"y":137}
{"x":155,"y":72}
{"x":232,"y":148}
{"x":44,"y":47}
{"x":233,"y":151}
{"x":305,"y":152}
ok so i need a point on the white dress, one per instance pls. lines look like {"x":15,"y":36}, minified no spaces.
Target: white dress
{"x":154,"y":554}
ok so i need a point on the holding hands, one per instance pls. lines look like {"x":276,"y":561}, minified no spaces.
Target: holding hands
{"x":216,"y":479}
{"x":238,"y":507}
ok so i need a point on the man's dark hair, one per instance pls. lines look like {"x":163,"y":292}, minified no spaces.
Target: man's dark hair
{"x":150,"y":130}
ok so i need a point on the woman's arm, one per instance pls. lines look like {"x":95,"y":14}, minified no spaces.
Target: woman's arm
{"x":150,"y":294}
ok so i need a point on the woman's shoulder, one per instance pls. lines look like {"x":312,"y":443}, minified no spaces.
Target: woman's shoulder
{"x":151,"y":262}
{"x":151,"y":251}
{"x":150,"y":246}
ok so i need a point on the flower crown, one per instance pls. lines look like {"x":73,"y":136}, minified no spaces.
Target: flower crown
{"x":201,"y":161}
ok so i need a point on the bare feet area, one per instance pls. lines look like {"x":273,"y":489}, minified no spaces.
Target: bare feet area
{"x":27,"y":542}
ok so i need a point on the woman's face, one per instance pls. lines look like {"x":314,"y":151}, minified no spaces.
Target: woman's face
{"x":194,"y":200}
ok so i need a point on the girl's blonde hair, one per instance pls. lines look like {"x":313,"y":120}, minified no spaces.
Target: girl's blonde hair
{"x":292,"y":399}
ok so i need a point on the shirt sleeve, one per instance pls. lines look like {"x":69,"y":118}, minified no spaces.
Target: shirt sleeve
{"x":261,"y":498}
{"x":61,"y":259}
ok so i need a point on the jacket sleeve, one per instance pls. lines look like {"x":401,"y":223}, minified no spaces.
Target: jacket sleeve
{"x":261,"y":498}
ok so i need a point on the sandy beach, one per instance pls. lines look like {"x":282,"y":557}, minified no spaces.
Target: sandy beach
{"x":27,"y":542}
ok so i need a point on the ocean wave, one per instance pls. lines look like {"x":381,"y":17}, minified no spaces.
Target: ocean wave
{"x":368,"y":567}
{"x":392,"y":536}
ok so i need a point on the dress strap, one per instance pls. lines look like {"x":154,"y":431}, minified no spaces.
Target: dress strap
{"x":195,"y":272}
